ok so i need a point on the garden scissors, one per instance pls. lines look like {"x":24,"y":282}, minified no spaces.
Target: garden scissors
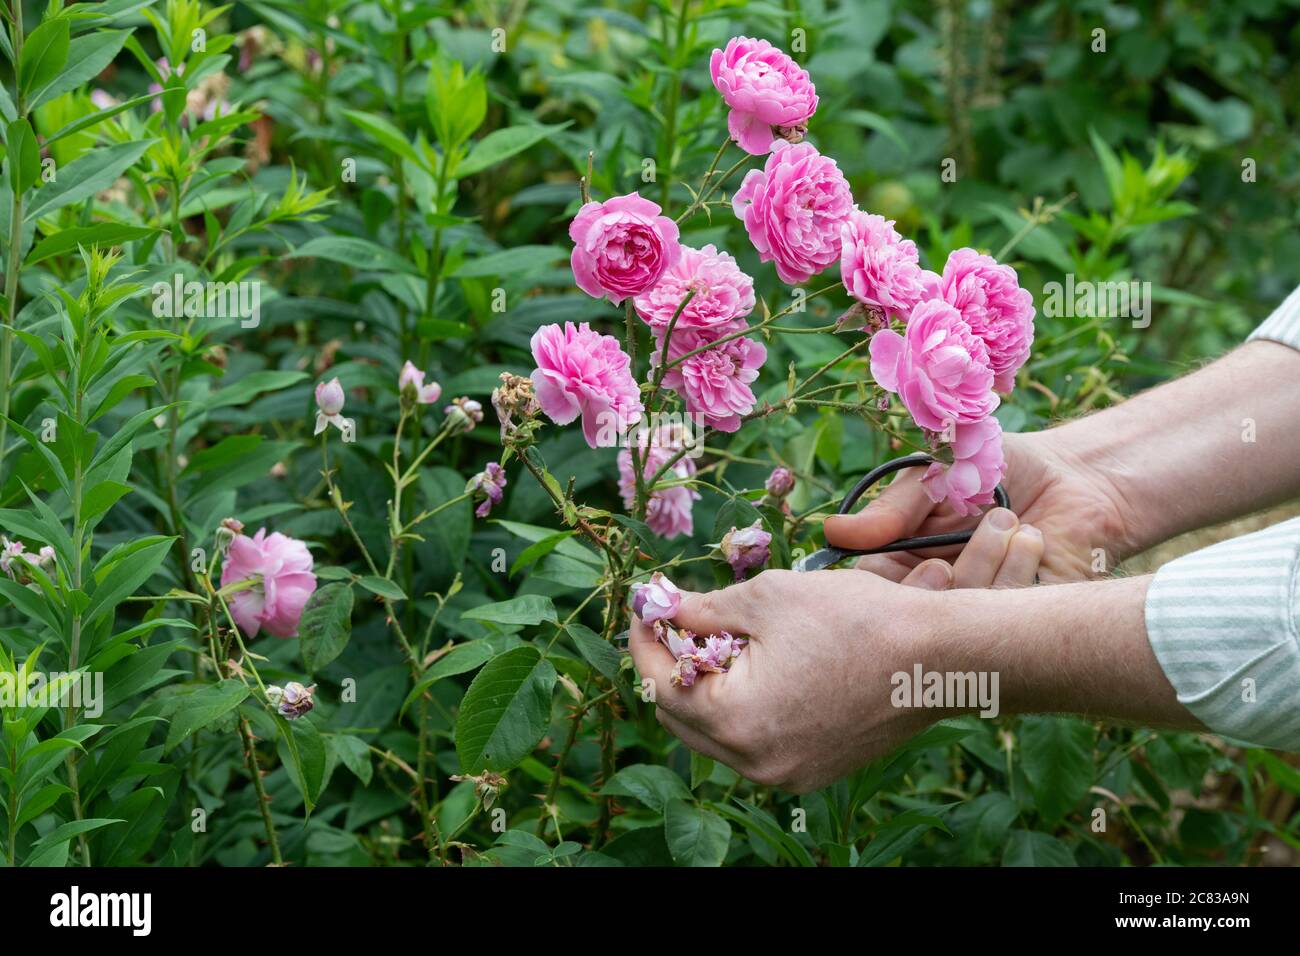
{"x":825,"y":557}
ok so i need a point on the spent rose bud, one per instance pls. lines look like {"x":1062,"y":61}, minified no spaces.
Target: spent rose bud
{"x":745,"y":548}
{"x":463,"y":414}
{"x":780,"y":483}
{"x":695,"y":655}
{"x":291,"y":701}
{"x":486,"y":786}
{"x":656,"y":600}
{"x":621,"y":247}
{"x":280,"y":569}
{"x":329,"y":404}
{"x":516,"y":405}
{"x":410,"y":384}
{"x":488,"y":487}
{"x":227,"y":531}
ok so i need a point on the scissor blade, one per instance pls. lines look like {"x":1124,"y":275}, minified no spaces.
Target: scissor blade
{"x":821,"y":559}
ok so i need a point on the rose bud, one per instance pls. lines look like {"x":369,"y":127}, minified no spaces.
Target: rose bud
{"x":463,"y":414}
{"x":410,"y":383}
{"x":745,"y":548}
{"x":780,"y":483}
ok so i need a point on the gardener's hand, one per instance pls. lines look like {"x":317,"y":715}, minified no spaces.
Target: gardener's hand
{"x":1071,"y":506}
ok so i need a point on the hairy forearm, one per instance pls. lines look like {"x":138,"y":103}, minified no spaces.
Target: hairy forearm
{"x":1210,"y":446}
{"x":1068,"y":648}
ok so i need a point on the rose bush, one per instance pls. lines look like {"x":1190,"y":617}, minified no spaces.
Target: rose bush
{"x":364,"y":370}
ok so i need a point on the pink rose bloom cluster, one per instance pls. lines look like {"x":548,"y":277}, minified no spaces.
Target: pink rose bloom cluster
{"x":769,"y":94}
{"x":976,"y":469}
{"x":697,"y":655}
{"x":668,"y":512}
{"x":621,"y":247}
{"x":793,"y":209}
{"x":581,"y":372}
{"x":281,"y":569}
{"x":657,"y":599}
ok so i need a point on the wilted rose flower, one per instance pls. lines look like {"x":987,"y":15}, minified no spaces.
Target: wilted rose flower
{"x":622,"y":247}
{"x":329,"y":404}
{"x":515,"y":403}
{"x":488,"y":487}
{"x":769,"y":94}
{"x":463,"y":414}
{"x":716,"y":382}
{"x":976,"y":469}
{"x":281,"y":569}
{"x":486,"y":786}
{"x":291,"y":701}
{"x":668,"y":512}
{"x":991,"y":302}
{"x":410,"y":384}
{"x":723,"y":295}
{"x":581,"y":372}
{"x":659,"y":598}
{"x":745,"y":548}
{"x":879,"y":267}
{"x":710,"y":655}
{"x":780,"y":483}
{"x":793,"y":209}
{"x":939,"y":367}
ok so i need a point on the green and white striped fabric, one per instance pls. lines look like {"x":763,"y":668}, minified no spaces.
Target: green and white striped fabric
{"x":1224,"y":622}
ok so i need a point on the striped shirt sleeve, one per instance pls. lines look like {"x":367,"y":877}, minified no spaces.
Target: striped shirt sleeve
{"x":1224,"y":621}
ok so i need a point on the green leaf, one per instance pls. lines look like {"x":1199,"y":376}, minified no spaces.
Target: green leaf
{"x":85,"y":176}
{"x":252,"y":385}
{"x":354,"y":252}
{"x":1030,"y":848}
{"x":516,"y":262}
{"x":86,"y":57}
{"x":201,"y":707}
{"x":383,"y":587}
{"x":103,"y":234}
{"x":459,"y":660}
{"x":23,"y":155}
{"x":388,"y":136}
{"x":538,"y":550}
{"x":505,"y":712}
{"x":100,"y":498}
{"x":501,"y":144}
{"x":127,"y":575}
{"x":701,"y":769}
{"x":325,"y":626}
{"x":653,"y":785}
{"x":696,"y":837}
{"x":525,"y":610}
{"x":121,"y":388}
{"x":45,"y":53}
{"x":1057,"y":756}
{"x":66,"y":831}
{"x":981,"y":826}
{"x":595,"y":650}
{"x":306,"y":757}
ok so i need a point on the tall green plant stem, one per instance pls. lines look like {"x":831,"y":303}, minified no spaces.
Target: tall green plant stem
{"x":15,"y":253}
{"x":674,"y":97}
{"x":263,"y":801}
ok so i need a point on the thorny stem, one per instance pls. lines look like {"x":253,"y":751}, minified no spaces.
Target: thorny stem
{"x":263,"y":801}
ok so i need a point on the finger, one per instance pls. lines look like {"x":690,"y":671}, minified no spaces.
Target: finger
{"x":654,"y":662}
{"x":932,"y":575}
{"x":979,"y":561}
{"x":892,"y":567}
{"x":697,"y":741}
{"x":1022,"y":560}
{"x":897,"y":512}
{"x":710,"y":612}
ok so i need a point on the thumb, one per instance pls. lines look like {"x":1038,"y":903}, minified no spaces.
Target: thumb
{"x":711,"y":612}
{"x":897,"y":512}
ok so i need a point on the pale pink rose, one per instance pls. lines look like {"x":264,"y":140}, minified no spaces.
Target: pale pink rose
{"x":745,"y":548}
{"x":410,"y":383}
{"x":770,"y":95}
{"x":668,"y":512}
{"x":282,"y":569}
{"x":793,"y":209}
{"x":658,"y":598}
{"x":329,"y":403}
{"x":879,"y":267}
{"x":939,"y":368}
{"x":621,"y":247}
{"x":990,"y":299}
{"x":581,"y":372}
{"x":716,"y":382}
{"x":723,"y":294}
{"x":977,"y":468}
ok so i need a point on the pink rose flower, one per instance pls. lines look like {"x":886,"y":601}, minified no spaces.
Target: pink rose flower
{"x":723,"y":294}
{"x":745,"y":548}
{"x":879,"y":267}
{"x":695,"y":655}
{"x":410,"y":383}
{"x":977,"y":468}
{"x":281,"y":567}
{"x":668,"y":512}
{"x":655,"y":600}
{"x":581,"y":372}
{"x":990,"y":299}
{"x":329,"y":404}
{"x":716,"y":382}
{"x":622,"y":247}
{"x":939,"y":368}
{"x":770,"y":95}
{"x":793,"y":209}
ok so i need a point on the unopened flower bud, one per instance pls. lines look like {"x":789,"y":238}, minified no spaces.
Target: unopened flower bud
{"x":463,"y":414}
{"x":780,"y":483}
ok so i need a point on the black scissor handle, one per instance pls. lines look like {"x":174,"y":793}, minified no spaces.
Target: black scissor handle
{"x":825,"y":557}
